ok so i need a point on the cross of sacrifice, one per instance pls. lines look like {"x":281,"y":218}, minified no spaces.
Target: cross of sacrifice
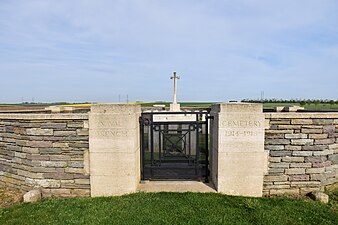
{"x":175,"y":78}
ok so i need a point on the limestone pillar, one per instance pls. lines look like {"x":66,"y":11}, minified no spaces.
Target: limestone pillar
{"x":114,"y":149}
{"x":238,"y":159}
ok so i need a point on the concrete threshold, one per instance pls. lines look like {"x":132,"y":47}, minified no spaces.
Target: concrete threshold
{"x":175,"y":186}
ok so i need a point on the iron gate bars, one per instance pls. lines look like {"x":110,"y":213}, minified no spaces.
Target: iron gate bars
{"x":174,"y":145}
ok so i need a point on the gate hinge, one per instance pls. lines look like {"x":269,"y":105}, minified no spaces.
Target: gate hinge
{"x":209,"y":117}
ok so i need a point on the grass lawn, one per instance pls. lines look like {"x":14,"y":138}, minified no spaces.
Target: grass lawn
{"x":172,"y":208}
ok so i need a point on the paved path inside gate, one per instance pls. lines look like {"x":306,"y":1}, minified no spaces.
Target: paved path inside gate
{"x":175,"y":186}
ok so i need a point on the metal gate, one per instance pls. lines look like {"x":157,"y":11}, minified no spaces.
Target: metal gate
{"x":174,"y":145}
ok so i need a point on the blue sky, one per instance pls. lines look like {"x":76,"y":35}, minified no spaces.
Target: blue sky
{"x":86,"y":50}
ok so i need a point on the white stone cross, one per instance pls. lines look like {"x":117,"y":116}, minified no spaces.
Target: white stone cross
{"x":175,"y":79}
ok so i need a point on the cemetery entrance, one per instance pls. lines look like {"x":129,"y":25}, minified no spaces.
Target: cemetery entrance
{"x":174,"y":145}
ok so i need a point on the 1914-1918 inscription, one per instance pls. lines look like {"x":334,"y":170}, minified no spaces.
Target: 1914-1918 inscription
{"x":245,"y":133}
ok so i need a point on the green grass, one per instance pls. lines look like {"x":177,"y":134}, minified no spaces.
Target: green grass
{"x":171,"y":208}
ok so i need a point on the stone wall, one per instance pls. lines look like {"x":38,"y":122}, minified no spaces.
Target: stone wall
{"x":45,"y":150}
{"x":303,"y":152}
{"x":51,"y":151}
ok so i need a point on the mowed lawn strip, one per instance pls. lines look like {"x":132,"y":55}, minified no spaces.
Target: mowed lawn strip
{"x":171,"y":208}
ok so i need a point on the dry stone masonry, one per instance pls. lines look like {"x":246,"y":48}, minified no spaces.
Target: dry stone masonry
{"x":46,"y":151}
{"x":303,"y":152}
{"x":97,"y":154}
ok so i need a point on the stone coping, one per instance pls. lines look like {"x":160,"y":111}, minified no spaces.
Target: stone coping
{"x":310,"y":115}
{"x":31,"y":116}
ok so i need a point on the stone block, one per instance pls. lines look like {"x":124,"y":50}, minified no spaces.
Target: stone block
{"x":279,"y":165}
{"x":323,"y":153}
{"x":275,"y":171}
{"x":333,"y":158}
{"x":74,"y":170}
{"x":59,"y":176}
{"x":76,"y":164}
{"x":289,"y":127}
{"x":321,"y":164}
{"x":75,"y":124}
{"x":295,"y":171}
{"x":60,"y":192}
{"x":319,"y":196}
{"x":280,"y":153}
{"x":274,"y":136}
{"x":302,"y":177}
{"x":280,"y":121}
{"x":296,"y":136}
{"x":55,"y":126}
{"x":322,"y":121}
{"x":293,"y":148}
{"x":312,"y":126}
{"x":59,"y":157}
{"x":59,"y":164}
{"x":277,"y":142}
{"x":50,"y":150}
{"x":82,"y":132}
{"x":38,"y":157}
{"x":318,"y":136}
{"x":315,"y":170}
{"x":333,"y":146}
{"x":302,"y":153}
{"x":81,"y":192}
{"x":278,"y":131}
{"x":39,"y":132}
{"x":327,"y":141}
{"x":329,"y":129}
{"x":293,"y":159}
{"x":79,"y":145}
{"x":47,"y":183}
{"x":273,"y":178}
{"x":274,"y":159}
{"x":274,"y":147}
{"x":275,"y":186}
{"x":64,"y":133}
{"x":82,"y":181}
{"x":305,"y":183}
{"x":32,"y":196}
{"x":316,"y":159}
{"x":40,"y":144}
{"x":301,"y":121}
{"x":60,"y":145}
{"x":288,"y":191}
{"x":301,"y":141}
{"x":300,"y":165}
{"x":312,"y":131}
{"x":314,"y":147}
{"x":317,"y":176}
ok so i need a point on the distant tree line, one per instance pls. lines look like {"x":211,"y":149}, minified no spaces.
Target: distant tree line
{"x":300,"y":101}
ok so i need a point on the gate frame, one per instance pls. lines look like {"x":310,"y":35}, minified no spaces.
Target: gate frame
{"x":144,"y":120}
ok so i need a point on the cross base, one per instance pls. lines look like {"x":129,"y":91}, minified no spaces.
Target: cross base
{"x":174,"y":107}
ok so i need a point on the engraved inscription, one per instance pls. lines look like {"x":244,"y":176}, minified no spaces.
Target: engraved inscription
{"x":111,"y":133}
{"x":241,"y":133}
{"x":110,"y":123}
{"x":241,"y":123}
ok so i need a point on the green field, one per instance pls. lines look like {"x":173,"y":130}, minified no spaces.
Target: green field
{"x":172,"y":208}
{"x":268,"y":105}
